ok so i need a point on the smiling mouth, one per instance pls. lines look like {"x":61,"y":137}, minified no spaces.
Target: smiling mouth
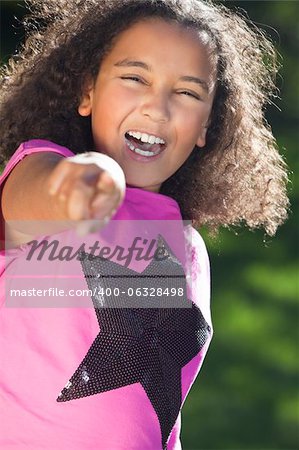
{"x":144,"y":144}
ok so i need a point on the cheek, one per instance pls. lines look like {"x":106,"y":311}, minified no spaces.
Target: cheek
{"x":191,"y":125}
{"x":187,"y":126}
{"x":113,"y":110}
{"x":117,"y":100}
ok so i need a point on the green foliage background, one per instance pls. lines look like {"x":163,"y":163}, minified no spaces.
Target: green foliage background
{"x":246,"y":396}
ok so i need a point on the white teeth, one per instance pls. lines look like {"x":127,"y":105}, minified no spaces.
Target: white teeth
{"x":143,"y":153}
{"x":146,"y":138}
{"x":137,"y":150}
{"x":131,"y":146}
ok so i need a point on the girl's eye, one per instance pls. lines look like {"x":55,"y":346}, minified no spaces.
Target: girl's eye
{"x":133,"y":78}
{"x":190,"y":94}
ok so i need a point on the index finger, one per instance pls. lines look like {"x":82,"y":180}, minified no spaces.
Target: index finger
{"x":57,"y":177}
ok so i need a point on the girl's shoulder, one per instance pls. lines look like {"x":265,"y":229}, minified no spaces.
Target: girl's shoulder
{"x":30,"y":147}
{"x":25,"y":149}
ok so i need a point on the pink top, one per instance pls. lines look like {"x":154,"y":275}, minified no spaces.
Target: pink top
{"x":86,"y":378}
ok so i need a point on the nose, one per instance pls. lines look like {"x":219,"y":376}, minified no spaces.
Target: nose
{"x":156,"y":107}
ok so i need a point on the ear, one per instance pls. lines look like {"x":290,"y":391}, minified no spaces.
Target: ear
{"x":201,"y":141}
{"x":85,"y":105}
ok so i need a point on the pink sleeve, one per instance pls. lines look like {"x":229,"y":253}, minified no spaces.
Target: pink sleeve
{"x":27,"y":148}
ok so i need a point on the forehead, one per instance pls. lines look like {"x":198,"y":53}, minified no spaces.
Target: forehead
{"x":167,"y":44}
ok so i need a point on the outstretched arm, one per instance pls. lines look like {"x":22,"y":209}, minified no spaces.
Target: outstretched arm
{"x":48,"y":187}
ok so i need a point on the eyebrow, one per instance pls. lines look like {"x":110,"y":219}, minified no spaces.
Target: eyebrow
{"x":131,"y":63}
{"x":196,"y":80}
{"x":143,"y":65}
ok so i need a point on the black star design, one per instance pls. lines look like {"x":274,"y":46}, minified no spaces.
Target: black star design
{"x":140,"y":345}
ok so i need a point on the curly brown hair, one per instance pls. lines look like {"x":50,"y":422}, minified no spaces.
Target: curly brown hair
{"x":238,"y":176}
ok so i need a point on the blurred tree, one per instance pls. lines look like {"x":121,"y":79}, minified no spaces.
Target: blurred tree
{"x":247,"y":394}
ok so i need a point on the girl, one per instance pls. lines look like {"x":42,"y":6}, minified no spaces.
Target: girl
{"x":173,"y":92}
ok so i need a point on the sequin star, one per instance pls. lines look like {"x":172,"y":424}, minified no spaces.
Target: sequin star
{"x":140,"y":345}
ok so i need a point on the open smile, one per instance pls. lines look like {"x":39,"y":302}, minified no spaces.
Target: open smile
{"x":144,"y":144}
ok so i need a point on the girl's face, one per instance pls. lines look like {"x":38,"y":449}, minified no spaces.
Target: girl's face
{"x":151,"y":102}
